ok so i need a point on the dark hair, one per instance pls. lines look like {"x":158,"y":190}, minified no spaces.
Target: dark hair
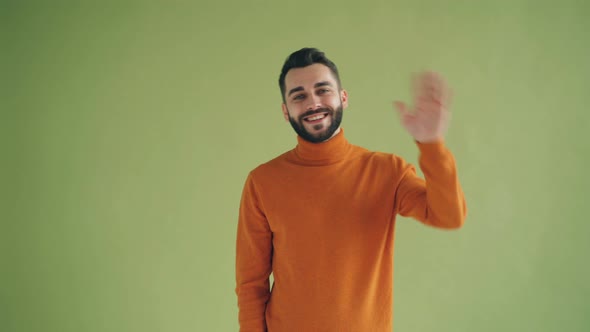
{"x":305,"y":57}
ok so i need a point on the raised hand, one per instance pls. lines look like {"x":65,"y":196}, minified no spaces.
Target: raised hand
{"x":428,"y":119}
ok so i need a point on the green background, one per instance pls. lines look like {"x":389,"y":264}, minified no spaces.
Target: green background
{"x":128,"y":129}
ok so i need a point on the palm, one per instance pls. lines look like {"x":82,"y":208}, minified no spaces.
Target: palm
{"x":427,"y":120}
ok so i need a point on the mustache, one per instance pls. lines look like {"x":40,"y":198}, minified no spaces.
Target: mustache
{"x":316,"y":111}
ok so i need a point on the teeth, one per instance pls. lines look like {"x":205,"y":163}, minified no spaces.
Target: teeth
{"x":317,"y":117}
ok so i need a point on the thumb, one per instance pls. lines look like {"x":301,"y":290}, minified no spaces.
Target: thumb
{"x":406,"y":117}
{"x":402,"y":109}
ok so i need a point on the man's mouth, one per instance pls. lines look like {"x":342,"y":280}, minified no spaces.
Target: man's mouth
{"x":314,"y":118}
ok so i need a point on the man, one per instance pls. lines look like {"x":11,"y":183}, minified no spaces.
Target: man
{"x":321,"y":217}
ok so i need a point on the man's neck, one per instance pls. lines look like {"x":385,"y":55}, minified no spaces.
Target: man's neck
{"x":334,"y":134}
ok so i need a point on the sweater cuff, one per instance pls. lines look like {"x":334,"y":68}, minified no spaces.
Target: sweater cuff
{"x":432,"y":148}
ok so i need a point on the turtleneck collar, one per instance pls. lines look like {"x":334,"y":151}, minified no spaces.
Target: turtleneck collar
{"x":333,"y":150}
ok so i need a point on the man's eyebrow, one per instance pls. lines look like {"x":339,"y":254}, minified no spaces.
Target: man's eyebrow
{"x":317,"y":85}
{"x":292,"y":91}
{"x":324,"y":83}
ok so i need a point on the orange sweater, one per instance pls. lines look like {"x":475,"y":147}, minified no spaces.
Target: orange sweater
{"x":321,"y":218}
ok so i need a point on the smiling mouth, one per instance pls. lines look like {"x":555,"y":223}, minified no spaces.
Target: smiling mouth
{"x":315,"y":117}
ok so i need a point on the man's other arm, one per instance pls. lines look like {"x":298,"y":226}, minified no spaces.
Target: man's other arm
{"x":253,"y":261}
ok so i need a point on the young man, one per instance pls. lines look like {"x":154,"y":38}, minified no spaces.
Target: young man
{"x":321,"y":217}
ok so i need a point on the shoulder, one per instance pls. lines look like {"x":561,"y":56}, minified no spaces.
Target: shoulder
{"x":387,"y":159}
{"x":380,"y":167}
{"x":270,"y":167}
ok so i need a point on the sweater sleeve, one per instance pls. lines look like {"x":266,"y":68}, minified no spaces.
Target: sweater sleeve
{"x":253,"y":261}
{"x":437,"y":201}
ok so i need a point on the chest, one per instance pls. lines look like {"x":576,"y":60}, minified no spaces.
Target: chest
{"x":348,"y":198}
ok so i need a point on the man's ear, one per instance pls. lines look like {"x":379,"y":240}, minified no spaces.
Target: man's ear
{"x":285,"y":112}
{"x":344,"y":98}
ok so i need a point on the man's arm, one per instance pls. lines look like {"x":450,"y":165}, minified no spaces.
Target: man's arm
{"x":438,"y":201}
{"x":253,"y":261}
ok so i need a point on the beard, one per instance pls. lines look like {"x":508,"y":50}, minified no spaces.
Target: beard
{"x":299,"y":126}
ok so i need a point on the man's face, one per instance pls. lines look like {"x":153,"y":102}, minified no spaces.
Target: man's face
{"x":313,"y":102}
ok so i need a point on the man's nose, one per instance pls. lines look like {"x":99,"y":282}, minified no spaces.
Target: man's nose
{"x":314,"y":103}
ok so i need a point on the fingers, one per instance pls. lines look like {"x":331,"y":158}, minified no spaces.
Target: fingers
{"x":430,"y":86}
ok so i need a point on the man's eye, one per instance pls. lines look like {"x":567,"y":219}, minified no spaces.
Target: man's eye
{"x":298,"y":97}
{"x":324,"y":91}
